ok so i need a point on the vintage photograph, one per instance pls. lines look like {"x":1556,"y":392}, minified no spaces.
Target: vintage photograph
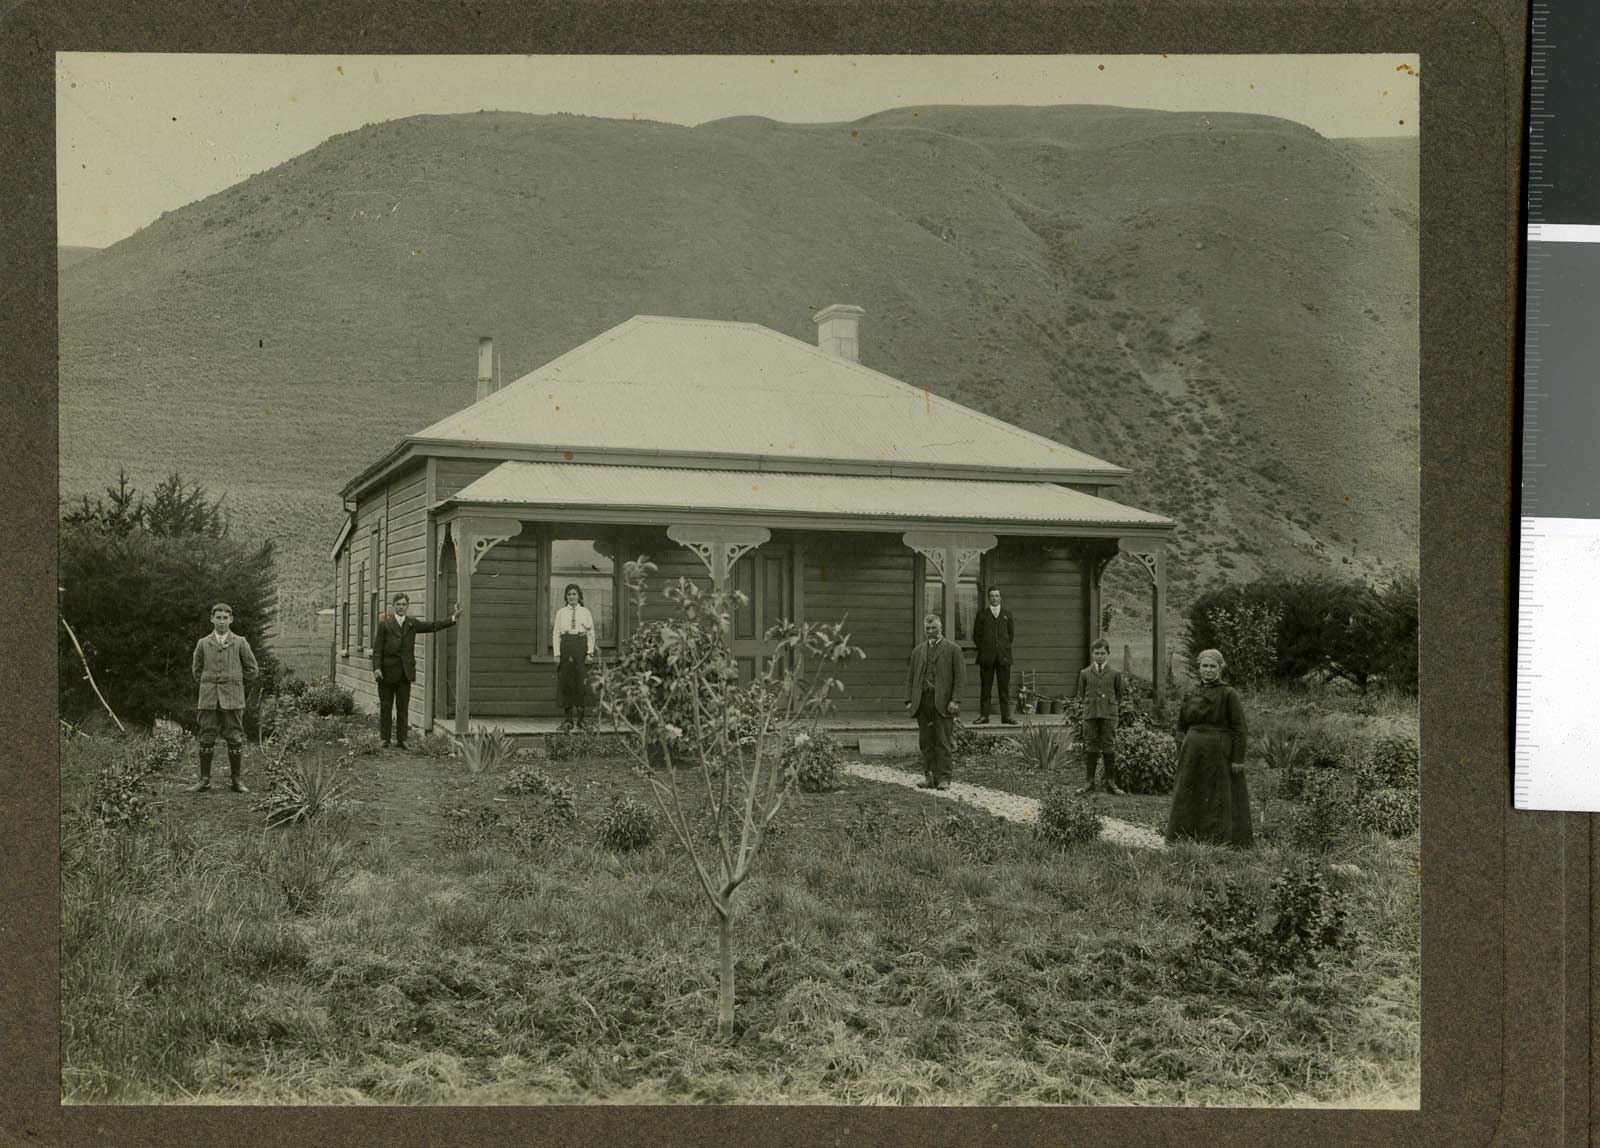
{"x":816,"y":580}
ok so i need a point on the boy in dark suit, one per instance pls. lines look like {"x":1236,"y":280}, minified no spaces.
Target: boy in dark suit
{"x":933,"y":689}
{"x":1100,"y":690}
{"x":992,"y":633}
{"x":394,"y":664}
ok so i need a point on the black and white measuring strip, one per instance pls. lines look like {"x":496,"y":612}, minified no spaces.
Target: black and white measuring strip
{"x":1557,"y":732}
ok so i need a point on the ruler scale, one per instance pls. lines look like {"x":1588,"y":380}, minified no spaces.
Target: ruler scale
{"x":1556,"y":735}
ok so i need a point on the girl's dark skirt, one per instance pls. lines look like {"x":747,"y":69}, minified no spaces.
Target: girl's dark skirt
{"x":570,"y":688}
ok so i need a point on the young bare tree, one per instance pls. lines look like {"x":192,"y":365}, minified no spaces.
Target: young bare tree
{"x":675,"y":693}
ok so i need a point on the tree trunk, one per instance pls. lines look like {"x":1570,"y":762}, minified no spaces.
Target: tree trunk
{"x":725,"y":995}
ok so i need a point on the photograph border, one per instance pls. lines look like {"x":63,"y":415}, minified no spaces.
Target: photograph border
{"x":1507,"y":913}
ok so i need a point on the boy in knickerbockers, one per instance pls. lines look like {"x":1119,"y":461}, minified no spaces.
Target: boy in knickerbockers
{"x":222,"y":661}
{"x":1100,"y":690}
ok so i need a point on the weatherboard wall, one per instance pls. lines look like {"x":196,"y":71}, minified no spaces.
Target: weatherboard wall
{"x":1042,"y":583}
{"x":386,"y":554}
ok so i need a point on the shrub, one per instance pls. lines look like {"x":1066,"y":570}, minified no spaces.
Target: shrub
{"x":1066,"y":821}
{"x":1325,"y":626}
{"x":1247,"y":635}
{"x":1324,"y":815}
{"x":628,"y":824}
{"x":294,"y":731}
{"x":1395,"y":812}
{"x":323,"y":698}
{"x":1041,"y":746}
{"x":1147,"y":759}
{"x":137,"y":592}
{"x":1291,"y":784}
{"x":659,"y":654}
{"x":964,"y":742}
{"x":1390,"y":763}
{"x":121,"y":796}
{"x":812,"y":758}
{"x":560,"y":800}
{"x":1304,"y":920}
{"x":575,"y":745}
{"x":365,"y":743}
{"x":1321,"y":749}
{"x":1397,"y":625}
{"x":165,"y":750}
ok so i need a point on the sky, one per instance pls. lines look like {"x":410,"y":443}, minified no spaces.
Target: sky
{"x":138,"y":134}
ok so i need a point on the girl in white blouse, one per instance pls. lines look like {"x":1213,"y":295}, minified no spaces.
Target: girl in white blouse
{"x":572,"y":640}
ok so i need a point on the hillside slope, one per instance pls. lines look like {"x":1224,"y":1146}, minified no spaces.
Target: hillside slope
{"x":1225,"y":304}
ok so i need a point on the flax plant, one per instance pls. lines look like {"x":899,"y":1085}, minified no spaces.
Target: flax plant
{"x":676,"y":696}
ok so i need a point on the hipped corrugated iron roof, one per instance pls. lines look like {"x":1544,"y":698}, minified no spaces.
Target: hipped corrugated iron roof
{"x":587,"y":486}
{"x":705,"y":386}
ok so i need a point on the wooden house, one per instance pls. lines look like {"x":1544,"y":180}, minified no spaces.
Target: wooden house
{"x":725,"y":451}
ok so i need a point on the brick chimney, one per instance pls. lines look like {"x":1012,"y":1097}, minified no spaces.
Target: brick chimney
{"x":485,"y":367}
{"x":838,"y":330}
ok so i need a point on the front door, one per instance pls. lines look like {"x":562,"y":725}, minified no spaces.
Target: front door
{"x":765,"y":576}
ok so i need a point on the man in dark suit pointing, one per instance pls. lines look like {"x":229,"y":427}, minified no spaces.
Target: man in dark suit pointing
{"x":992,"y":632}
{"x":394,"y":664}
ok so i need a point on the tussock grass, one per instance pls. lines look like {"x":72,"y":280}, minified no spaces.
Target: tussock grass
{"x":891,"y":972}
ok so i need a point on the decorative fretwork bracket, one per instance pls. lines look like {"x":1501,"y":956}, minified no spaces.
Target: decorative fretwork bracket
{"x":475,"y":537}
{"x":1150,"y":560}
{"x":719,"y":547}
{"x":949,"y":552}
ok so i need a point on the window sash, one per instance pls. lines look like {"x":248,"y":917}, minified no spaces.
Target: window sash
{"x":969,"y":598}
{"x":602,"y":594}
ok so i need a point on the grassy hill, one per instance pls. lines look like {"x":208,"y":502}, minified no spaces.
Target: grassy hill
{"x":1226,"y":304}
{"x":69,"y":256}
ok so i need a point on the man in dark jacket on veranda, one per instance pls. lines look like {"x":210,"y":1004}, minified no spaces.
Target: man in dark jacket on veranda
{"x":394,"y":664}
{"x":992,"y":633}
{"x":933,"y":692}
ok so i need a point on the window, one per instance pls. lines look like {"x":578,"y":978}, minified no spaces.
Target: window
{"x":966,"y":600}
{"x":344,"y":603}
{"x":375,"y":560}
{"x":587,"y":560}
{"x":361,"y":620}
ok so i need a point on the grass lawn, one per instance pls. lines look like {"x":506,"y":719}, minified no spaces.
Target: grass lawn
{"x":876,"y":961}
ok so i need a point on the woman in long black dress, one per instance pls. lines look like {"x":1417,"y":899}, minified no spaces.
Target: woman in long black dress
{"x":1210,"y":801}
{"x":572,"y":641}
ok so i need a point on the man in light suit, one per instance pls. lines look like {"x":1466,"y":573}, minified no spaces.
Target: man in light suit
{"x":933,"y":692}
{"x":992,"y":632}
{"x":394,"y":664}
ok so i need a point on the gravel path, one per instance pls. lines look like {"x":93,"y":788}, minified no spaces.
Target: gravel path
{"x":1011,"y":806}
